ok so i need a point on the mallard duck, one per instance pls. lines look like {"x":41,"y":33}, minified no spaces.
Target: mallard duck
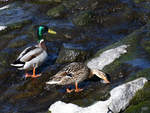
{"x":74,"y":73}
{"x":33,"y":56}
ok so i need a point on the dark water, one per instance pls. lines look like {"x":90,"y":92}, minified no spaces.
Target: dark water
{"x":19,"y":95}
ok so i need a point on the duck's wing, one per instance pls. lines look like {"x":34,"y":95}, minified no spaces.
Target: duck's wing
{"x":29,"y":53}
{"x":61,"y":78}
{"x":25,"y":51}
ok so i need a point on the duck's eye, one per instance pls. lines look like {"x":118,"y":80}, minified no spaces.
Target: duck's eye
{"x":70,"y":75}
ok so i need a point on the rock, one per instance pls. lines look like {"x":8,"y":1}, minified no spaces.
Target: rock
{"x":119,"y":100}
{"x":67,"y":55}
{"x":140,"y":108}
{"x":15,"y":26}
{"x":18,"y":42}
{"x":141,"y":73}
{"x":146,"y":45}
{"x":57,"y":12}
{"x":84,"y":18}
{"x":141,"y":101}
{"x":134,"y":40}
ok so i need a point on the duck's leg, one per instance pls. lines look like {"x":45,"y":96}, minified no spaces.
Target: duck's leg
{"x":34,"y":75}
{"x":76,"y":87}
{"x":69,"y":90}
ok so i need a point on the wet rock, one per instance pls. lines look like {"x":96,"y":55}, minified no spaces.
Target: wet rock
{"x":146,"y":45}
{"x":141,"y":73}
{"x":140,"y":103}
{"x":57,"y":12}
{"x":133,"y":40}
{"x":20,"y":41}
{"x":67,"y":55}
{"x":5,"y":57}
{"x":15,"y":26}
{"x":84,"y":18}
{"x":119,"y":100}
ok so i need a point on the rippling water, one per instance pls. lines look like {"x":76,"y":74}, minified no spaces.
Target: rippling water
{"x":19,"y":95}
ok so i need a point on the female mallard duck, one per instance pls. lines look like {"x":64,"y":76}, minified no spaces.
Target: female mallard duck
{"x":33,"y":56}
{"x":74,"y":73}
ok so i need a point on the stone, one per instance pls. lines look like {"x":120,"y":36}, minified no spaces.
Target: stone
{"x":119,"y":100}
{"x":57,"y":12}
{"x":67,"y":55}
{"x":84,"y":18}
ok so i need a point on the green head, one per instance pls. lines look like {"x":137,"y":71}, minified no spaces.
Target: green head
{"x":43,"y":29}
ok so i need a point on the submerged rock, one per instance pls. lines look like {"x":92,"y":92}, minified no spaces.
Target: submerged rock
{"x":141,"y":101}
{"x":119,"y":100}
{"x":57,"y":12}
{"x":84,"y":18}
{"x":146,"y":44}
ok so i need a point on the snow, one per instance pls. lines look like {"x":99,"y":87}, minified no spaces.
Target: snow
{"x":120,"y":96}
{"x":119,"y":100}
{"x":2,"y":27}
{"x":107,"y":57}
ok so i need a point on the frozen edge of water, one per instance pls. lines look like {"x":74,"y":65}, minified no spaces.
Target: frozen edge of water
{"x":121,"y":94}
{"x":119,"y":100}
{"x":107,"y":57}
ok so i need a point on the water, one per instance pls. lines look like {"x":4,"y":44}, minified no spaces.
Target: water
{"x":19,"y":95}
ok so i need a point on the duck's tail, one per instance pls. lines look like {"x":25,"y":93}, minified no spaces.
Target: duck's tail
{"x":53,"y":82}
{"x":18,"y":64}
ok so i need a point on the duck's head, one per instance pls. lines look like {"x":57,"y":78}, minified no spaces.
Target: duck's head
{"x":42,"y":29}
{"x":99,"y":74}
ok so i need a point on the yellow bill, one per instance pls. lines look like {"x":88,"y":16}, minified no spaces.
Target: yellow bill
{"x":51,"y":31}
{"x":106,"y":80}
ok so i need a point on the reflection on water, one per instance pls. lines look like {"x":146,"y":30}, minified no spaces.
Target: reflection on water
{"x":19,"y":95}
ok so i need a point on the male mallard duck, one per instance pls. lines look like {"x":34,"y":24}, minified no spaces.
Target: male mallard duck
{"x":33,"y":56}
{"x":74,"y":73}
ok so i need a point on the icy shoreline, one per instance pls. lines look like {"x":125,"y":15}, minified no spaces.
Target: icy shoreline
{"x":119,"y":100}
{"x":120,"y":96}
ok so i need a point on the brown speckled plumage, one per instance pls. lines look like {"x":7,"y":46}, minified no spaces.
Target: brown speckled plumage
{"x":73,"y":72}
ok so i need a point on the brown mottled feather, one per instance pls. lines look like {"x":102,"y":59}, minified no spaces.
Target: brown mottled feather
{"x":78,"y":71}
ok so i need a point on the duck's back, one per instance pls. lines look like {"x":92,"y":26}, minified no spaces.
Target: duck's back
{"x":75,"y":71}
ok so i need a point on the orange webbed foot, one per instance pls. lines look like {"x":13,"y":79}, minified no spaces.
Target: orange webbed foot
{"x":78,"y":90}
{"x":35,"y":76}
{"x":68,"y":90}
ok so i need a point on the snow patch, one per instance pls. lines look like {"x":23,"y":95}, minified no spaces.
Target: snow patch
{"x":2,"y":27}
{"x":119,"y":100}
{"x":107,"y":57}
